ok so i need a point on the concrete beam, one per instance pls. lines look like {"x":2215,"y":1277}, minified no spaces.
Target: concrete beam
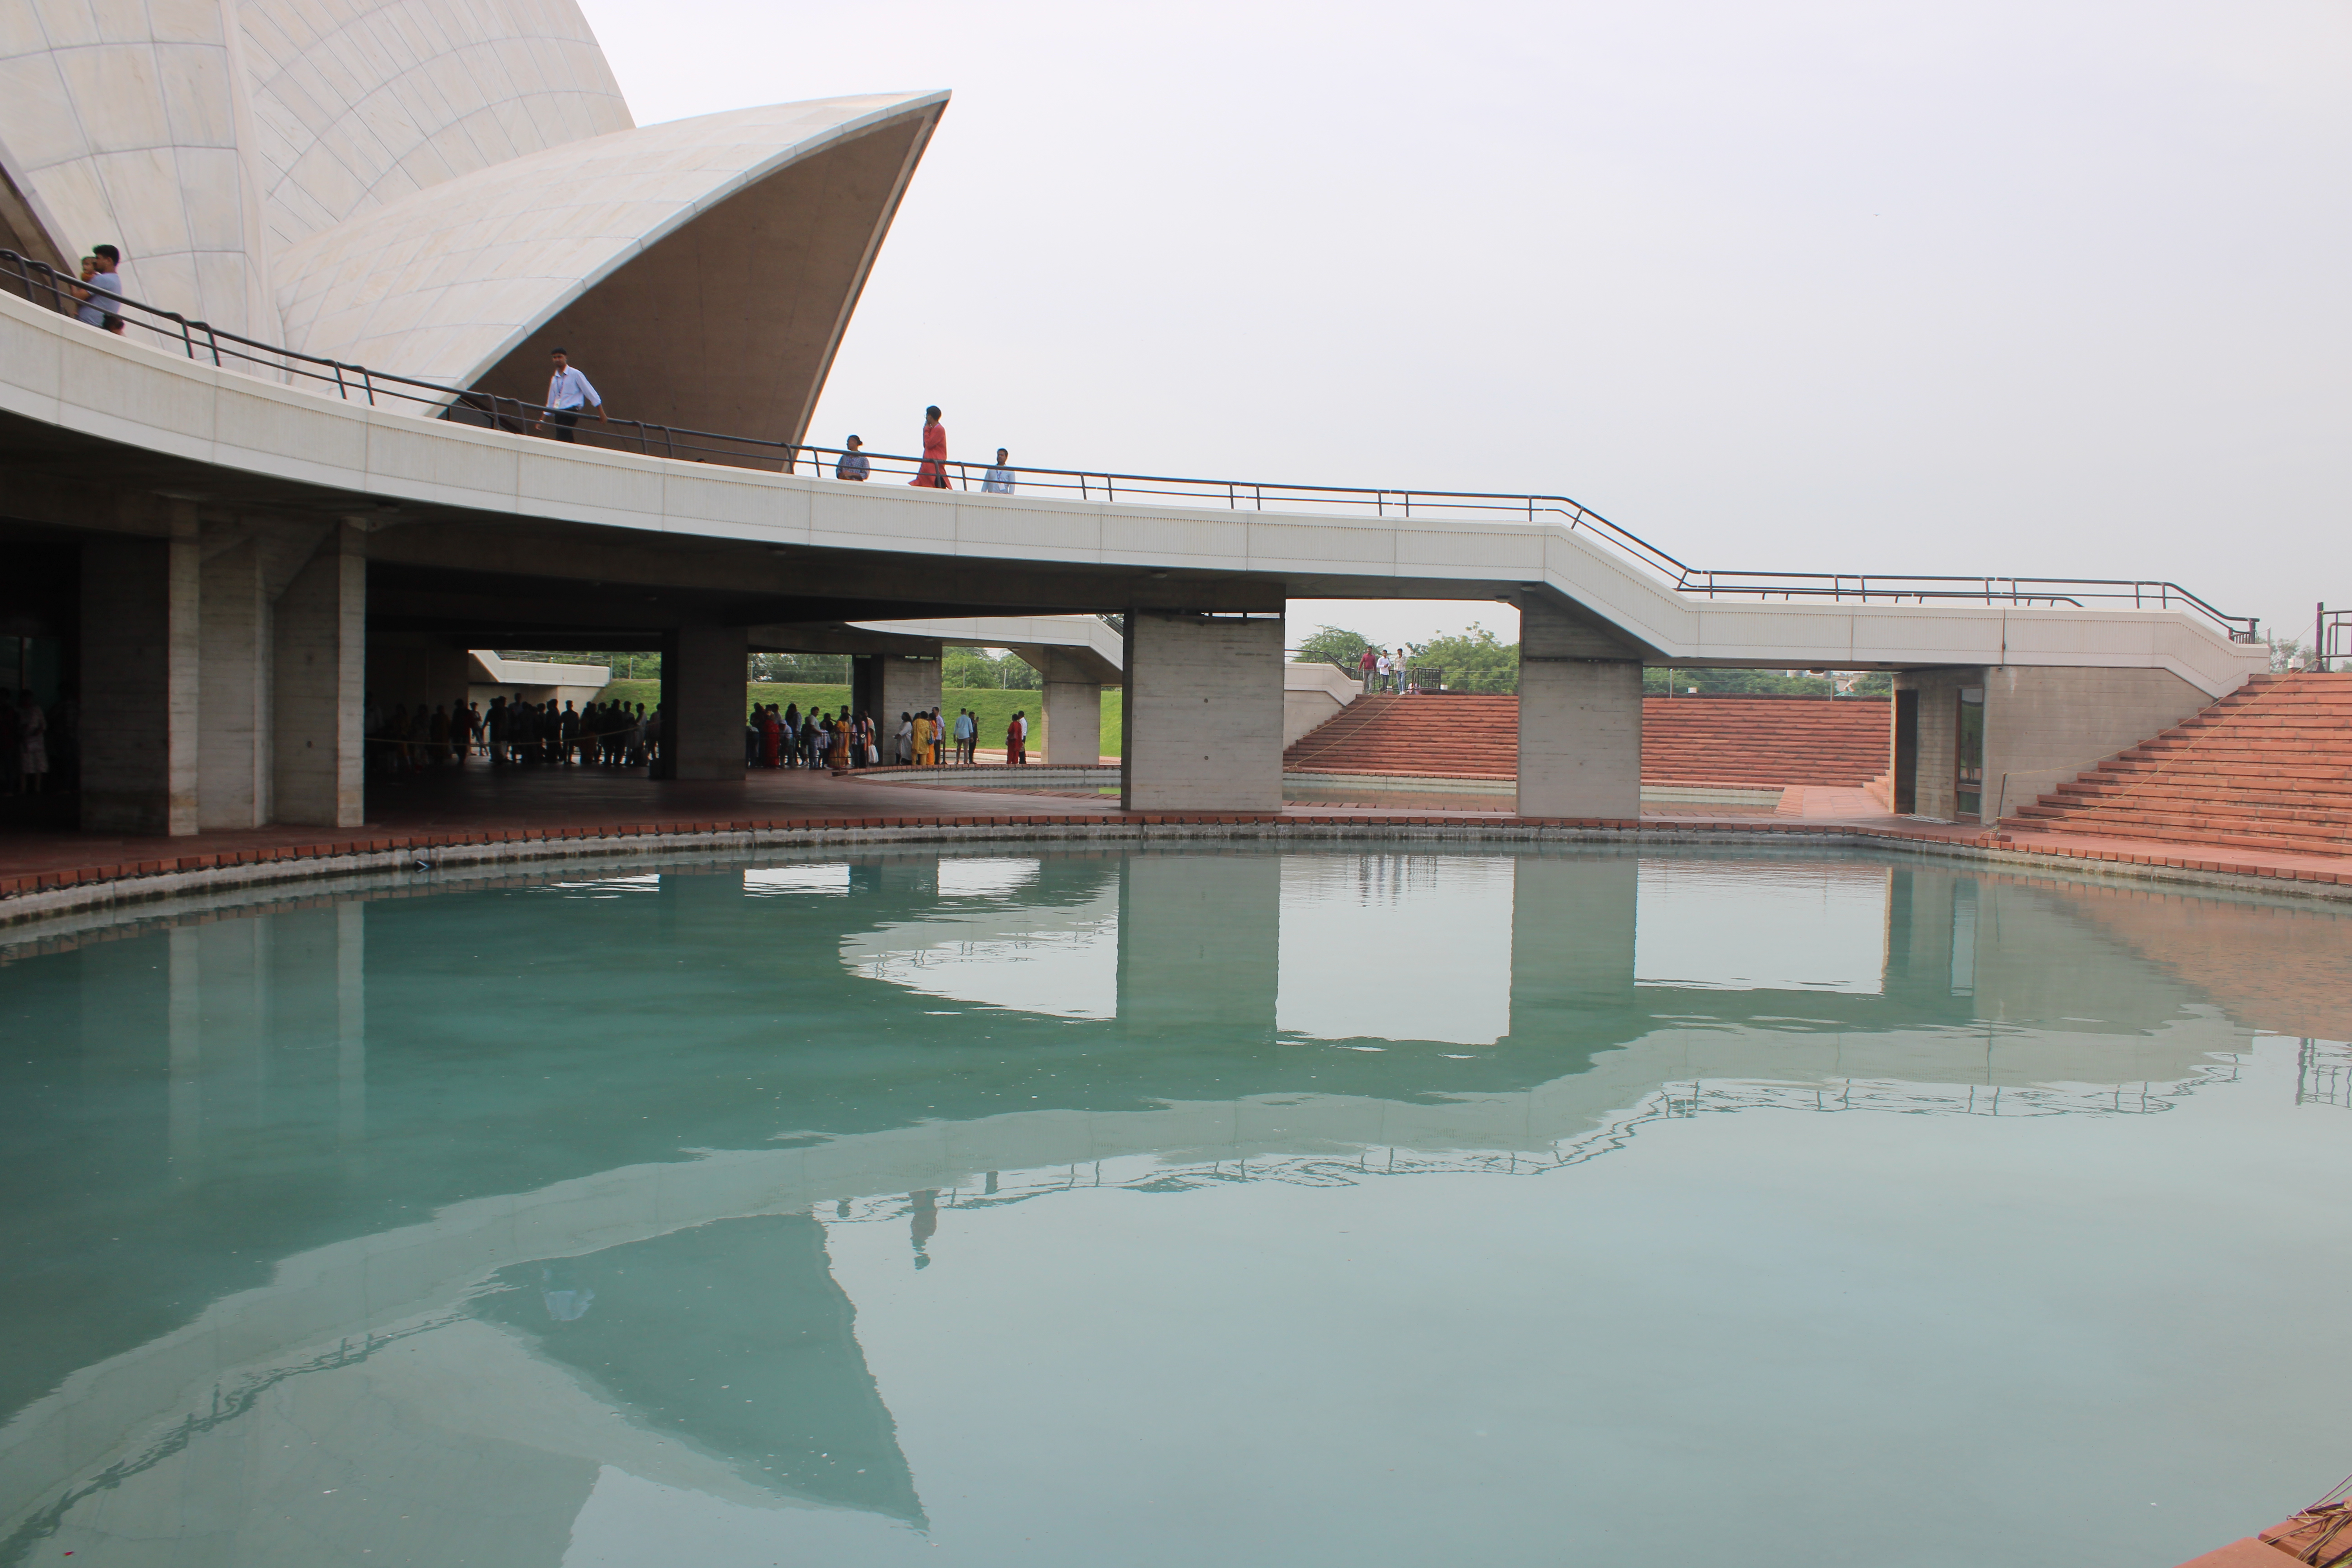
{"x":1579,"y":716}
{"x":1202,"y":726}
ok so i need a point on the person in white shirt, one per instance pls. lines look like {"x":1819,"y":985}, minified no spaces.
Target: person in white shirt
{"x":568,"y":393}
{"x":999,"y":479}
{"x":1380,"y":673}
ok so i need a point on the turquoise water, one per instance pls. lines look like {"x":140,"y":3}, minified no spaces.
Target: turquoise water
{"x":1176,"y":1208}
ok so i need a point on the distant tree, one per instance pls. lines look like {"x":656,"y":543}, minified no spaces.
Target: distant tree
{"x":1333,"y":645}
{"x":987,"y":669}
{"x":1658,"y":682}
{"x":1471,"y":660}
{"x":801,"y":669}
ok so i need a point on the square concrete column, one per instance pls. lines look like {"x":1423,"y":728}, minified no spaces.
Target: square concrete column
{"x":704,"y":673}
{"x":140,"y":696}
{"x":235,"y":686}
{"x":1203,"y":725}
{"x":1073,"y":705}
{"x":1074,"y":723}
{"x":904,"y":683}
{"x":1579,"y":716}
{"x":319,"y":635}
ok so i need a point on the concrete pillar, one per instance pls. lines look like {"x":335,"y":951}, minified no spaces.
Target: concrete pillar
{"x":703,"y":702}
{"x":140,"y":660}
{"x":1202,"y":729}
{"x":906,"y":683}
{"x":235,"y":682}
{"x":1071,"y":706}
{"x":1074,"y":722}
{"x":318,"y":633}
{"x":1579,"y":716}
{"x":1199,"y":945}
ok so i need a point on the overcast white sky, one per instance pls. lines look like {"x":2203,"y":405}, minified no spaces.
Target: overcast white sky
{"x":2026,"y":288}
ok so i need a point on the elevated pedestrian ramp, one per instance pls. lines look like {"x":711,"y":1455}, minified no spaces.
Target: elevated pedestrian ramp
{"x":2267,"y":767}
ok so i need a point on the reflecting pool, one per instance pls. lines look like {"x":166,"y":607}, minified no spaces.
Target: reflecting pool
{"x":1185,"y":1206}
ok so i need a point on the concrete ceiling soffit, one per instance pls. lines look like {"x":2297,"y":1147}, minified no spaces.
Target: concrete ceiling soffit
{"x":443,"y":284}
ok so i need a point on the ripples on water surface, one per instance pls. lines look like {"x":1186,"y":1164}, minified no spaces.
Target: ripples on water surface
{"x":1177,"y":1209}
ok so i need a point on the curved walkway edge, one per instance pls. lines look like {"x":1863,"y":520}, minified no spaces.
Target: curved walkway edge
{"x":39,"y":896}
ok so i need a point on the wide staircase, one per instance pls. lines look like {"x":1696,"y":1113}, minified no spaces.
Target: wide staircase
{"x":2267,"y":767}
{"x":1684,"y":740}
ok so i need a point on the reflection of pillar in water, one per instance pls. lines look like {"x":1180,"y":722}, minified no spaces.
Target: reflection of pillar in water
{"x":1573,"y":926}
{"x":183,"y":1139}
{"x":351,"y":1024}
{"x":1200,"y":943}
{"x":926,"y":1223}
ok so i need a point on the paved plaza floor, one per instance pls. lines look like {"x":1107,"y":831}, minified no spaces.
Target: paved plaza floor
{"x":469,"y":801}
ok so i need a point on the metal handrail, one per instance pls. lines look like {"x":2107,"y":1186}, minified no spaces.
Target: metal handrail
{"x":44,"y":284}
{"x":2332,"y":636}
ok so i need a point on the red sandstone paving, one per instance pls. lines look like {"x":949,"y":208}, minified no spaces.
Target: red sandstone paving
{"x":478,"y":803}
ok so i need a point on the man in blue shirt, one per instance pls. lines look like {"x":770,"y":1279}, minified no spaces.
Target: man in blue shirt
{"x":102,"y":291}
{"x":568,"y":393}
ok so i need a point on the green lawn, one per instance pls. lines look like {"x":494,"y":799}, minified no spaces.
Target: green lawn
{"x":993,"y":707}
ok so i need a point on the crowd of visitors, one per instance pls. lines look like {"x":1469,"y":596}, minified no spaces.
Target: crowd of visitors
{"x":788,"y":738}
{"x":512,"y":733}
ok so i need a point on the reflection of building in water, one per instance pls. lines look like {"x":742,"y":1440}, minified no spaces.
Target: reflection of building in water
{"x":719,"y":1359}
{"x":1179,"y":1024}
{"x":2323,"y":1073}
{"x":733,"y":1338}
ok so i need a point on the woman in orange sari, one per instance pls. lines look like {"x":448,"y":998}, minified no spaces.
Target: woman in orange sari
{"x":933,"y":474}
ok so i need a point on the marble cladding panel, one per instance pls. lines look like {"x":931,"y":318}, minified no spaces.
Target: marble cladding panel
{"x":370,"y":101}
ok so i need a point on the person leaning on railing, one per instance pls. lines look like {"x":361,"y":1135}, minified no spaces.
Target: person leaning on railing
{"x":101,"y":289}
{"x":568,"y":393}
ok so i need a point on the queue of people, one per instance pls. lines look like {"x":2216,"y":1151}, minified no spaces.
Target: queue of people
{"x":512,"y":733}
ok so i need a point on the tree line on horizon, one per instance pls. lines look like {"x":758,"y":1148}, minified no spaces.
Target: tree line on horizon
{"x":1477,"y":660}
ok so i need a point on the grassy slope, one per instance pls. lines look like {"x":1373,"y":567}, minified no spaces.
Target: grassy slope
{"x":993,"y":707}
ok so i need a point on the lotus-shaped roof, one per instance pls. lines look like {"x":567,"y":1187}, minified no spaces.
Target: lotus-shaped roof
{"x":432,"y":186}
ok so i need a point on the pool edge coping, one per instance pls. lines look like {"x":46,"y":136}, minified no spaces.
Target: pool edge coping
{"x":68,"y":892}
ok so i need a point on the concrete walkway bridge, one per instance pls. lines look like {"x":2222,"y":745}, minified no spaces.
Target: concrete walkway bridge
{"x":242,"y":543}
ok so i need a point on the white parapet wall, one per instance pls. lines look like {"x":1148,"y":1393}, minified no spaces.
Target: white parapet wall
{"x":1312,"y":693}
